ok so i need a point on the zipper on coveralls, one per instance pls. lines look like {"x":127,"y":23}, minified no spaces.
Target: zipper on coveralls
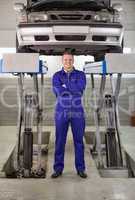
{"x":70,"y":97}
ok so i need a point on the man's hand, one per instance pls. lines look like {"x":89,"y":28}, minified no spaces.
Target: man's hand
{"x":64,"y":86}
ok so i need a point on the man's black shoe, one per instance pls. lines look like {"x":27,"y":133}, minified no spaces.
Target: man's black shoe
{"x":82,"y":174}
{"x":56,"y":174}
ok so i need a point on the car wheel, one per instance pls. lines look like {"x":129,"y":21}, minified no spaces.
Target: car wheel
{"x":99,"y":57}
{"x":117,"y":49}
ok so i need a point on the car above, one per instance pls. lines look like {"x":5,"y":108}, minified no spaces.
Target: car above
{"x":87,"y":26}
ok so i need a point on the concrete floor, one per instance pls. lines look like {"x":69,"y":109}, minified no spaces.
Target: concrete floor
{"x":69,"y":186}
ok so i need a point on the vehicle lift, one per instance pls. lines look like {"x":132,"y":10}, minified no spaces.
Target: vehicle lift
{"x":30,"y":112}
{"x":113,"y":162}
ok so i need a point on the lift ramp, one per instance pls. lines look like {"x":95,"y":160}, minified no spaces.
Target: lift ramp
{"x":128,"y":142}
{"x":114,"y":164}
{"x":21,"y":161}
{"x":14,"y":63}
{"x":7,"y":145}
{"x":114,"y":63}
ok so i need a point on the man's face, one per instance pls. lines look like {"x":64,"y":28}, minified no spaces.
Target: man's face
{"x":68,"y":61}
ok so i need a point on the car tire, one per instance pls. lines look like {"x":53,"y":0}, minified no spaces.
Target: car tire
{"x":117,"y":49}
{"x":99,"y":57}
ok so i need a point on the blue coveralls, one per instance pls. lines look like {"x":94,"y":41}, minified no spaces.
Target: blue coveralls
{"x":68,"y":88}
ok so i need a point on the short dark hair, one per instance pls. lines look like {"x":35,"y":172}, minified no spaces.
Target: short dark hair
{"x":69,"y":51}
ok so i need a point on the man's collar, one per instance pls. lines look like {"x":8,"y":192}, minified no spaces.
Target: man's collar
{"x":64,"y":71}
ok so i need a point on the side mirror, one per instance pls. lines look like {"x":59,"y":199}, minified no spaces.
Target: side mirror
{"x":18,"y":7}
{"x":117,"y":6}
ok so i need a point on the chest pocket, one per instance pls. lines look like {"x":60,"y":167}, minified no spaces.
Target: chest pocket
{"x":63,"y":80}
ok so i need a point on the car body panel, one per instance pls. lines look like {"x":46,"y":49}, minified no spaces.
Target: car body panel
{"x":75,"y":29}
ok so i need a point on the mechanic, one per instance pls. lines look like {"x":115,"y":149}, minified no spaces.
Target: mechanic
{"x":68,"y":86}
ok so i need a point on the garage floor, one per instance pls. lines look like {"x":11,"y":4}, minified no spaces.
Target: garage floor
{"x":69,"y":186}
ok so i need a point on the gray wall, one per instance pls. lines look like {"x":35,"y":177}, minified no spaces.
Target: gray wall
{"x":8,"y":90}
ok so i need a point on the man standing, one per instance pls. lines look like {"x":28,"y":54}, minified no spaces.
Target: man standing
{"x":68,"y":86}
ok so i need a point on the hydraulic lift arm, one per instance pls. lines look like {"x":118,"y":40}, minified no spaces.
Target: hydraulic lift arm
{"x":30,"y":110}
{"x":117,"y":64}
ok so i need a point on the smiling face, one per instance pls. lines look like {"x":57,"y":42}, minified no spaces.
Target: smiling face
{"x":68,"y":61}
